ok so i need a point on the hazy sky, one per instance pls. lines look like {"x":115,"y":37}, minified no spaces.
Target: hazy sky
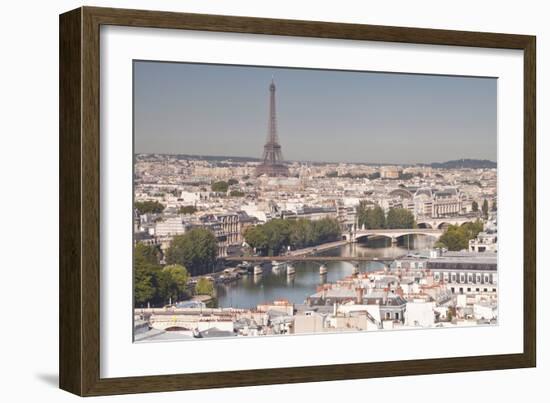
{"x":323,"y":115}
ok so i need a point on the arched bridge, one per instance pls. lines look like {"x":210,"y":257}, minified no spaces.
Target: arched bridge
{"x":321,"y":260}
{"x":443,"y":223}
{"x":393,"y":234}
{"x":302,"y":258}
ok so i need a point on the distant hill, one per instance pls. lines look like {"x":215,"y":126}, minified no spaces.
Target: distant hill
{"x":220,"y":159}
{"x":464,"y":163}
{"x":214,"y":158}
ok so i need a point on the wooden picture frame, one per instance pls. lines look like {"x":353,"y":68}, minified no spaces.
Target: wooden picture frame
{"x":79,"y":347}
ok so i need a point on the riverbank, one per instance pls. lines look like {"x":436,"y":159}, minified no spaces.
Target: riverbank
{"x":318,"y":248}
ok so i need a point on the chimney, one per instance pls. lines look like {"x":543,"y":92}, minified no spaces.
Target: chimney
{"x":359,"y":295}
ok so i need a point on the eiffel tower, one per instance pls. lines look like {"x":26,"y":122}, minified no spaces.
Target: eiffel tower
{"x":272,"y":164}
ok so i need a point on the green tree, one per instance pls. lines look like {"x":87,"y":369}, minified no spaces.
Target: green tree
{"x":364,"y":213}
{"x":196,"y":250}
{"x":256,"y":238}
{"x":405,"y":176}
{"x":204,"y":287}
{"x":471,"y":229}
{"x":374,"y":175}
{"x":236,"y":193}
{"x":453,"y":239}
{"x":456,"y":237}
{"x":220,"y":187}
{"x":232,"y":182}
{"x":272,"y":237}
{"x":378,"y":218}
{"x":371,"y":217}
{"x":475,"y":207}
{"x":325,"y":230}
{"x":172,"y":283}
{"x":400,"y":218}
{"x":278,"y":235}
{"x":146,"y":269}
{"x":494,"y":205}
{"x":150,"y":253}
{"x":187,"y":210}
{"x":485,"y":208}
{"x":302,"y":233}
{"x":149,"y":206}
{"x":179,"y":274}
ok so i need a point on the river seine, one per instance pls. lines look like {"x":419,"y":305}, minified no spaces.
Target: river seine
{"x":252,"y":290}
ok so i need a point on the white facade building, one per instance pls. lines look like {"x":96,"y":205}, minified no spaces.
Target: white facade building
{"x":420,"y":313}
{"x":171,"y":226}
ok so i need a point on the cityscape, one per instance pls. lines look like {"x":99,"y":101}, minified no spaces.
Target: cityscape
{"x":262,"y":245}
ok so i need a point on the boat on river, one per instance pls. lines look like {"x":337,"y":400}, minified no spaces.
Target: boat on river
{"x":258,"y":270}
{"x":245,"y":268}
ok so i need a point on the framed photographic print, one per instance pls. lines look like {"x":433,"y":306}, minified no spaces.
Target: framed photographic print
{"x":249,"y":201}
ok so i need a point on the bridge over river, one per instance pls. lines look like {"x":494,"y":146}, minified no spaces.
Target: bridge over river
{"x":310,"y":254}
{"x":288,"y":258}
{"x":393,"y":234}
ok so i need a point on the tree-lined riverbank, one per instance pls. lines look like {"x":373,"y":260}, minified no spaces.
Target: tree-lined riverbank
{"x":276,"y":236}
